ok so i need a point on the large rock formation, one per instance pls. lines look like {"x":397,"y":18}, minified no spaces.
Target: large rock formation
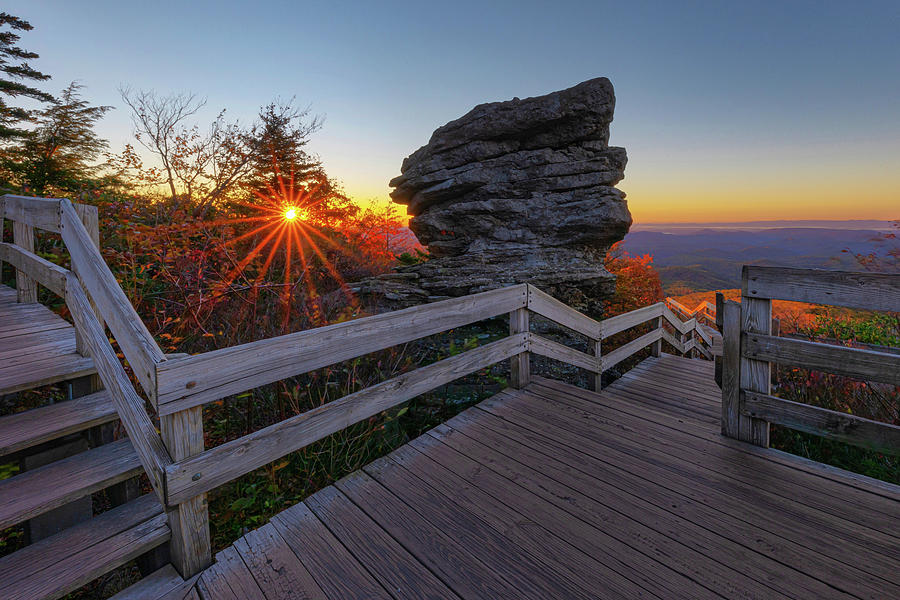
{"x":516,"y":191}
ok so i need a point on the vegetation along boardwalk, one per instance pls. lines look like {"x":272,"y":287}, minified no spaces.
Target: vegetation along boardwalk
{"x":659,"y":485}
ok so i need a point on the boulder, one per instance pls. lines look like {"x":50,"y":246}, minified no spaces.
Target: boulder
{"x":512,"y":192}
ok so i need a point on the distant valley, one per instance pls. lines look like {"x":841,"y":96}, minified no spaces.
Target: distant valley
{"x":698,"y":257}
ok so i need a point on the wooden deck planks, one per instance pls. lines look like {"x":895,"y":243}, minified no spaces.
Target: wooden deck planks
{"x":557,"y":492}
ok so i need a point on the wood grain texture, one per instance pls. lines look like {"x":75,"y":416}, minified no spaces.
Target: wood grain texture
{"x":597,"y":353}
{"x":130,"y":332}
{"x":656,"y":348}
{"x":556,"y":491}
{"x":70,"y":568}
{"x":550,"y":349}
{"x":51,"y":276}
{"x":329,"y":562}
{"x":36,"y":426}
{"x":162,"y":584}
{"x":390,"y":563}
{"x":23,"y":237}
{"x":611,"y":359}
{"x":520,"y":364}
{"x":42,"y":213}
{"x":730,"y":314}
{"x":620,"y":323}
{"x":881,"y":437}
{"x":202,"y":378}
{"x":57,"y":483}
{"x":129,"y":405}
{"x":756,"y":375}
{"x":277,"y":570}
{"x":190,"y":549}
{"x":549,"y":307}
{"x":192,"y":476}
{"x":860,"y":363}
{"x":228,"y":579}
{"x":865,"y":291}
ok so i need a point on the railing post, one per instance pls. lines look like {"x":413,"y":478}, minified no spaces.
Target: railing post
{"x":182,"y":433}
{"x":729,"y":314}
{"x":656,"y":348}
{"x":520,"y":364}
{"x":598,"y":377}
{"x":756,"y":375}
{"x":90,"y":218}
{"x":23,"y":236}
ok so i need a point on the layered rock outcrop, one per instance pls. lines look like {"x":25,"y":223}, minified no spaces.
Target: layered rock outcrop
{"x":512,"y":192}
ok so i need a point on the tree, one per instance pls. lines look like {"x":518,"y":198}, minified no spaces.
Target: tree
{"x":197,"y":168}
{"x":16,"y":73}
{"x":62,"y":150}
{"x":282,"y":171}
{"x":637,"y":282}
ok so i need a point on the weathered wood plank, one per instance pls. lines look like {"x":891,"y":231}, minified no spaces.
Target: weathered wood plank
{"x":228,"y":579}
{"x":23,"y":237}
{"x":335,"y":570}
{"x":852,"y":362}
{"x":756,"y":375}
{"x":550,"y":349}
{"x":74,"y":570}
{"x":53,"y":485}
{"x":622,"y":352}
{"x":597,"y":353}
{"x":129,"y":405}
{"x":882,"y":437}
{"x":130,"y":332}
{"x":730,"y":313}
{"x":390,"y":563}
{"x":656,"y":348}
{"x":487,"y":541}
{"x":619,"y":323}
{"x":440,"y":552}
{"x":32,"y":427}
{"x":190,"y":549}
{"x":549,"y":307}
{"x":51,"y":276}
{"x":202,"y":378}
{"x":865,"y":291}
{"x":277,"y":570}
{"x":195,"y":475}
{"x":42,"y":213}
{"x":520,"y":364}
{"x":162,"y":584}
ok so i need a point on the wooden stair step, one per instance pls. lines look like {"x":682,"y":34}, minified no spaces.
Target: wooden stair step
{"x":59,"y":564}
{"x":53,"y":485}
{"x":36,"y":426}
{"x":164,"y":584}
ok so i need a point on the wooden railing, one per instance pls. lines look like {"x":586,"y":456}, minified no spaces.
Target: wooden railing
{"x":182,"y":471}
{"x":703,"y":311}
{"x":748,"y":406}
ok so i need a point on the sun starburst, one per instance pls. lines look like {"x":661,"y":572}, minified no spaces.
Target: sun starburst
{"x":286,"y":222}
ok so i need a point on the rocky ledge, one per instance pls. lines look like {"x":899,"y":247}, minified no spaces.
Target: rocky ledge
{"x":512,"y":192}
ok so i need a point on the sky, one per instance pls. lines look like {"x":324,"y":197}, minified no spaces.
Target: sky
{"x":730,"y":111}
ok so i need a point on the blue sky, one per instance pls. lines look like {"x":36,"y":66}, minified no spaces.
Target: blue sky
{"x":729,"y":110}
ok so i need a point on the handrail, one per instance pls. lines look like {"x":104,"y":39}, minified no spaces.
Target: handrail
{"x":748,"y":407}
{"x":130,"y":407}
{"x":296,"y":353}
{"x":206,"y":377}
{"x":134,"y":339}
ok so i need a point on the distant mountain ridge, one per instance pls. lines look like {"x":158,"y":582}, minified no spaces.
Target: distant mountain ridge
{"x":709,"y":258}
{"x":843,"y":225}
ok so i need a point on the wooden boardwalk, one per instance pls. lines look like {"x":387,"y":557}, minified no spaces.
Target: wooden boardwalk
{"x":37,"y":347}
{"x":557,"y":492}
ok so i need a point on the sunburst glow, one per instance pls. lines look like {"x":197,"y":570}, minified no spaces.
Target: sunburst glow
{"x":285,"y":221}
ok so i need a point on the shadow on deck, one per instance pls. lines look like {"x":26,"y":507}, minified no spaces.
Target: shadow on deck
{"x":557,"y":492}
